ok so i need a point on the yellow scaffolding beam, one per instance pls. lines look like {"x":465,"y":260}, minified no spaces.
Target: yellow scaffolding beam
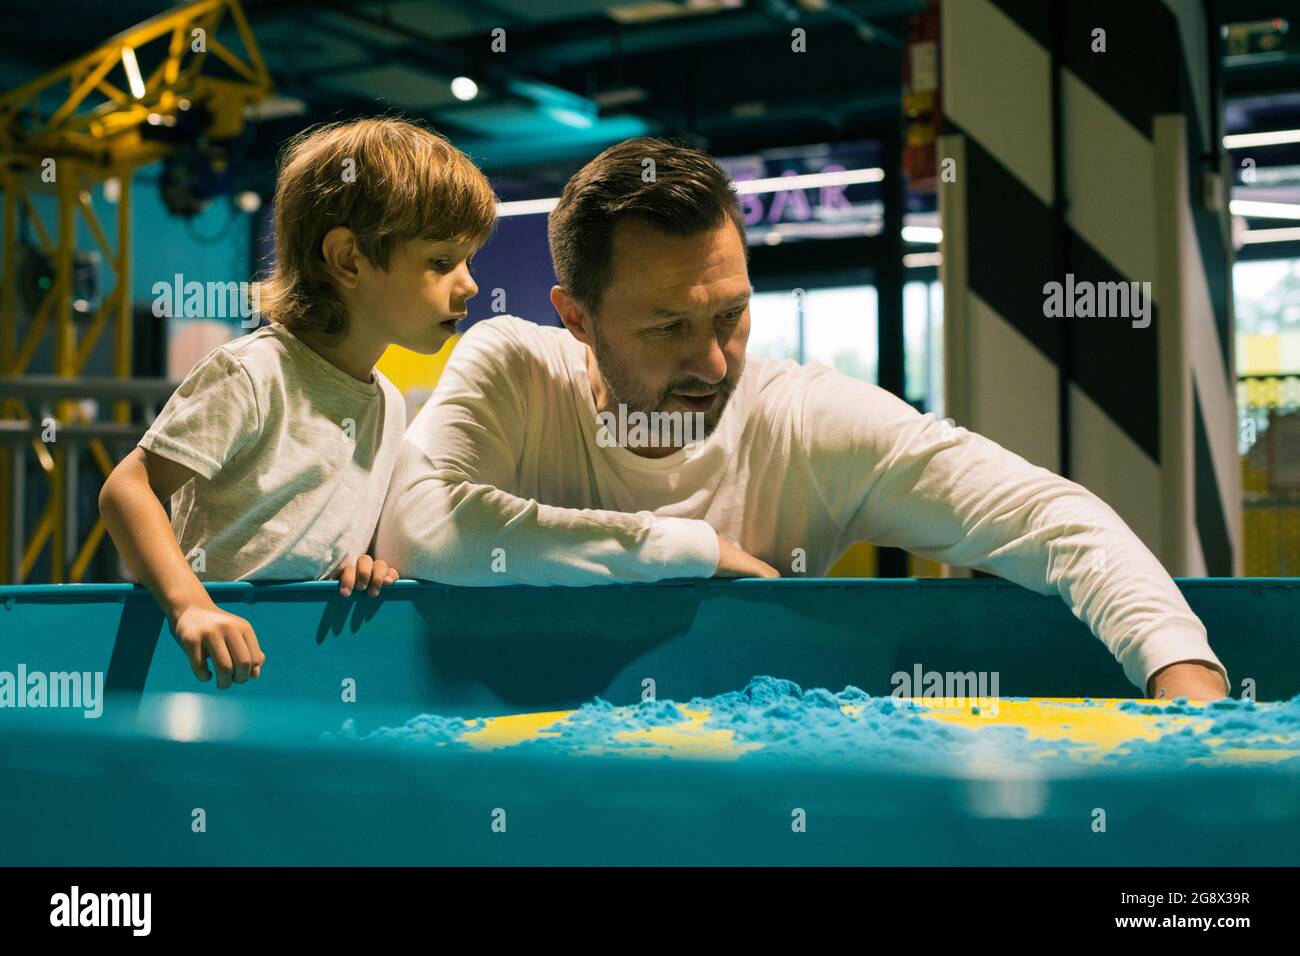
{"x":97,"y":131}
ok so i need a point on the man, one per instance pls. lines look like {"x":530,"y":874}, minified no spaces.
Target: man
{"x":510,"y":474}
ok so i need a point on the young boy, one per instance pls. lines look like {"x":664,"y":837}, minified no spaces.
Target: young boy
{"x":276,"y":450}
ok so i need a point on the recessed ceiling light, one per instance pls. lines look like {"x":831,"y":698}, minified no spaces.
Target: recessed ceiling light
{"x":463,"y":88}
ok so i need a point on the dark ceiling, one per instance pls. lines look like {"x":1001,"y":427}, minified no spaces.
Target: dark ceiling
{"x":577,"y":74}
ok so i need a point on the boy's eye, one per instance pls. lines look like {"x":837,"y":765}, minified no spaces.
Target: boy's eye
{"x":447,"y":265}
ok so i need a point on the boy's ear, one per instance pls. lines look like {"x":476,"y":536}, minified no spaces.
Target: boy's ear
{"x":572,"y":314}
{"x":339,"y":249}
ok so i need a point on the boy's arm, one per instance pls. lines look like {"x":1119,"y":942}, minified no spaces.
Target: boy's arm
{"x":897,"y":478}
{"x":131,"y":505}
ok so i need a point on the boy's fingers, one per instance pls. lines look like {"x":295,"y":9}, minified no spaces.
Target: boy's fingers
{"x":347,"y":578}
{"x":239,"y":656}
{"x":377,"y":576}
{"x":255,"y":649}
{"x":194,"y":651}
{"x":364,"y":565}
{"x":220,"y":661}
{"x":393,"y":575}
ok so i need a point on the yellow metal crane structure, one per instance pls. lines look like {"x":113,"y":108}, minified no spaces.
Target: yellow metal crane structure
{"x":80,"y":125}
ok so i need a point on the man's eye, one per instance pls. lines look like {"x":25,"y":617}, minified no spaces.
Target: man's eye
{"x":732,"y":316}
{"x":669,"y":329}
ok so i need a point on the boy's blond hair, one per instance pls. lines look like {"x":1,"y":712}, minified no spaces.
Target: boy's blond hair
{"x":388,"y":180}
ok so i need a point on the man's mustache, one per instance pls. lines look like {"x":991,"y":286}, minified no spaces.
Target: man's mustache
{"x":695,"y":386}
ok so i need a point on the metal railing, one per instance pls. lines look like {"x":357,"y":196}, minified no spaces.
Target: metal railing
{"x":54,"y":420}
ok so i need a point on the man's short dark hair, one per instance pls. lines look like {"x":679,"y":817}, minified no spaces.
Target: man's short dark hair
{"x":687,"y":194}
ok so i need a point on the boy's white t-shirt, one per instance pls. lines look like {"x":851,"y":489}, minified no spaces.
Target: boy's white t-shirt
{"x":293,"y":457}
{"x":503,"y":479}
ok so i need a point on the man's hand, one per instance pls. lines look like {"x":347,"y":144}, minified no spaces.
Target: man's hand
{"x":204,"y":632}
{"x":735,"y":563}
{"x":1196,"y":680}
{"x":367,"y":572}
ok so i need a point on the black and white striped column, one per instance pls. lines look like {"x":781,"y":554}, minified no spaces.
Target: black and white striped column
{"x":1083,"y":136}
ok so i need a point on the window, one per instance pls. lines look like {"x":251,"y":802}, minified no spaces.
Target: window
{"x":1266,"y":297}
{"x":775,"y":326}
{"x":835,"y":327}
{"x":1266,"y":303}
{"x":923,"y":345}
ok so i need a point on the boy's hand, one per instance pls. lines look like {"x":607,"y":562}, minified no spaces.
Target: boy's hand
{"x":204,"y":632}
{"x":1195,"y":680}
{"x":366,"y":573}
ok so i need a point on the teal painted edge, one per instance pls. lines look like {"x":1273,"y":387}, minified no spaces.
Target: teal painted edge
{"x":81,"y":593}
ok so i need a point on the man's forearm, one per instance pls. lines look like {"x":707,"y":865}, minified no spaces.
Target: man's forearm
{"x":471,"y":534}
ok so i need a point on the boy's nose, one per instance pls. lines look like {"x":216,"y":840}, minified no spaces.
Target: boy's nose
{"x":469,"y":287}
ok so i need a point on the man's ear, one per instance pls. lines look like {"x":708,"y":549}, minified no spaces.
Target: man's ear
{"x":339,"y":249}
{"x":572,"y":314}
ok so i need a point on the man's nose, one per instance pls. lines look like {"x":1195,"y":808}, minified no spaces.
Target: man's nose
{"x":707,"y":361}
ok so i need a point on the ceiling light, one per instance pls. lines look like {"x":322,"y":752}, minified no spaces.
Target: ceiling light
{"x":133,"y":76}
{"x":1277,"y":137}
{"x":1265,"y":210}
{"x":463,"y":88}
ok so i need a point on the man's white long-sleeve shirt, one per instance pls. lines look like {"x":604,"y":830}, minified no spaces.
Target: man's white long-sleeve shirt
{"x":502,"y":479}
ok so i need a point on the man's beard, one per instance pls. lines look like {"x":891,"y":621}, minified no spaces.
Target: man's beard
{"x":624,"y":389}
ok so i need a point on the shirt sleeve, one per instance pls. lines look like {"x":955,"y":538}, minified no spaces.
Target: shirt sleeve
{"x":450,"y":517}
{"x":211,"y":416}
{"x":897,"y":478}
